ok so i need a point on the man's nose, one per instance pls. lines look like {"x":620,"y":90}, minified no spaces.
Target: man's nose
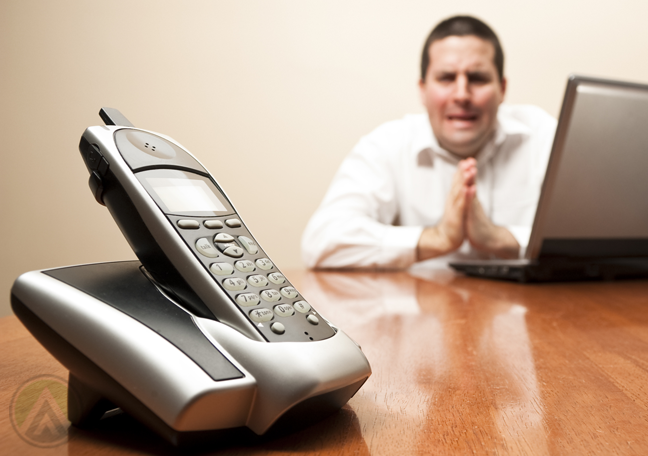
{"x":462,"y":89}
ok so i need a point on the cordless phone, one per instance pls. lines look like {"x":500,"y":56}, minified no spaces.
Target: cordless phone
{"x":188,"y":236}
{"x":203,"y":333}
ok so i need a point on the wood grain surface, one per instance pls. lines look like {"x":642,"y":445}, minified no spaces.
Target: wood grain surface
{"x":460,"y":366}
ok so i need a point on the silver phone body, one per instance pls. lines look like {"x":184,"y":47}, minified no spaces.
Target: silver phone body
{"x":128,"y":164}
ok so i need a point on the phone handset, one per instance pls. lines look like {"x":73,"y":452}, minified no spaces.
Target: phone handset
{"x":187,"y":234}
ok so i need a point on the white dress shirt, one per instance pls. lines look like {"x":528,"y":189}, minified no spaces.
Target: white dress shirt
{"x":396,"y":181}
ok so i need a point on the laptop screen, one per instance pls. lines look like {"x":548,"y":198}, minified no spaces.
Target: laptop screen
{"x":594,"y":199}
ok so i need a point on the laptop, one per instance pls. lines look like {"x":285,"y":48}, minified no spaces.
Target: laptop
{"x":592,"y":216}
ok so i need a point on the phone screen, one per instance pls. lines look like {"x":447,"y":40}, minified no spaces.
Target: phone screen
{"x":184,"y":193}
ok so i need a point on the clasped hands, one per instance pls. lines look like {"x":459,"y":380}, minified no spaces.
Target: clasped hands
{"x":464,"y":218}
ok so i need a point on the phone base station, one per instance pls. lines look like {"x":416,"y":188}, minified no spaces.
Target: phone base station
{"x":128,"y":345}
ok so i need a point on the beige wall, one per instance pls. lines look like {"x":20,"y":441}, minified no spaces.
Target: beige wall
{"x":270,"y":95}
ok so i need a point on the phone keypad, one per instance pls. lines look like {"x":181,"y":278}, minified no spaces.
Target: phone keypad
{"x":252,"y":281}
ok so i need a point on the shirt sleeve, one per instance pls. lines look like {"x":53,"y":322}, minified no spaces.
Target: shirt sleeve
{"x":521,"y":235}
{"x":353,"y":227}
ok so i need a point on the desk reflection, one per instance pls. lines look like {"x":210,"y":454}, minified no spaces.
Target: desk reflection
{"x":452,"y":368}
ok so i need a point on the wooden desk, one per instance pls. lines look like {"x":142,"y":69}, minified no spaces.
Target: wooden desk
{"x":460,"y":366}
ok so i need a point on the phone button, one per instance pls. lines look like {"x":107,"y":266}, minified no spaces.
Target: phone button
{"x":234,"y":252}
{"x":277,"y":328}
{"x":93,"y":156}
{"x":231,"y":250}
{"x":189,"y":224}
{"x":233,"y":223}
{"x":223,"y":237}
{"x":289,"y":292}
{"x":96,"y":187}
{"x":213,"y":224}
{"x":302,"y":306}
{"x":249,"y":245}
{"x":284,"y":310}
{"x":205,"y":248}
{"x":257,"y":281}
{"x":221,"y":268}
{"x":247,"y":299}
{"x":270,"y":295}
{"x":261,"y":315}
{"x":245,"y":266}
{"x":264,"y":263}
{"x":234,"y":284}
{"x":312,"y":319}
{"x":276,"y":278}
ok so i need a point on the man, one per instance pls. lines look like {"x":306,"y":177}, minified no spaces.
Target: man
{"x":462,"y":181}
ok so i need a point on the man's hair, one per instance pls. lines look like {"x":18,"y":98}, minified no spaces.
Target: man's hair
{"x":463,"y":26}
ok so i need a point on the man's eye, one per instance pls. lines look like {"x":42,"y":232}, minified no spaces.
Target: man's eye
{"x":478,"y":79}
{"x":446,"y":77}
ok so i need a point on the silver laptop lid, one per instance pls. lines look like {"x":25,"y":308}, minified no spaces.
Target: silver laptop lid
{"x":594,"y":200}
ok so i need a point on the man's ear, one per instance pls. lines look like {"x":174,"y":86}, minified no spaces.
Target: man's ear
{"x":421,"y":86}
{"x":503,"y":86}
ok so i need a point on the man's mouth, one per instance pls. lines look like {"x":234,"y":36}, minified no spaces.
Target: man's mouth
{"x":462,"y":120}
{"x":463,"y":117}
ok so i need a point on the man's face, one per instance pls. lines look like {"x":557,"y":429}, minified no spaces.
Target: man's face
{"x":462,"y":92}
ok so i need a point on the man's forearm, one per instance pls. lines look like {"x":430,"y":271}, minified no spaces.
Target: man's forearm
{"x":433,"y":243}
{"x":487,"y":237}
{"x":500,"y":243}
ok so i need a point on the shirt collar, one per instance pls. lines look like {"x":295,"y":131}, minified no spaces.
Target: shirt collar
{"x":426,"y":146}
